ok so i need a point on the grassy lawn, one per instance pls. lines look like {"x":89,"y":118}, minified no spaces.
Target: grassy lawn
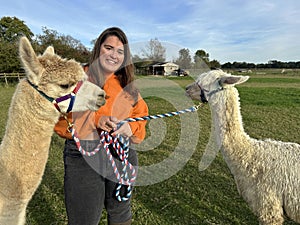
{"x":270,"y":106}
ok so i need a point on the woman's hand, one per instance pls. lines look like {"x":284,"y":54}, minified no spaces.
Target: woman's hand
{"x":124,"y":130}
{"x":107,"y":123}
{"x":110,"y":123}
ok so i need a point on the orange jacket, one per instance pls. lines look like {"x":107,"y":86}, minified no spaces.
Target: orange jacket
{"x":118,"y":104}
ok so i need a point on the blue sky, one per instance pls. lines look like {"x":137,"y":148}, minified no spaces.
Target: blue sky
{"x":229,"y":30}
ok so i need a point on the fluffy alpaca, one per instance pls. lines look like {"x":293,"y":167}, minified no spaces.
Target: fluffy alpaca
{"x":267,"y":173}
{"x":25,"y":145}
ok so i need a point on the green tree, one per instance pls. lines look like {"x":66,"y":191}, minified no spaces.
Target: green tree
{"x":184,"y":60}
{"x":64,"y":45}
{"x":9,"y":60}
{"x":201,"y":55}
{"x":11,"y":29}
{"x":215,"y":64}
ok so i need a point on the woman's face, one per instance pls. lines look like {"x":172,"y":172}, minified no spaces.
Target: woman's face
{"x":111,"y":54}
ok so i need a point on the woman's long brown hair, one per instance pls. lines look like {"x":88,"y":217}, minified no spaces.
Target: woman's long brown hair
{"x":125,"y":73}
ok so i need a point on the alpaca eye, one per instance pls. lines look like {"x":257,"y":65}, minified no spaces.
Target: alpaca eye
{"x":64,"y":86}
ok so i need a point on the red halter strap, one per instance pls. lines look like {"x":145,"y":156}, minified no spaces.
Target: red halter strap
{"x":72,"y":96}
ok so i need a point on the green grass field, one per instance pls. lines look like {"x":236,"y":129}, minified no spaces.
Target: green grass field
{"x":270,"y":106}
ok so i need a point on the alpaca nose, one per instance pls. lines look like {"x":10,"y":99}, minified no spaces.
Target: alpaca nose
{"x":187,"y":87}
{"x":102,"y":94}
{"x":101,"y":99}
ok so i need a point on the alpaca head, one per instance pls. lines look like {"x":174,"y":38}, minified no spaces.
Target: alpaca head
{"x":56,"y":77}
{"x":212,"y":82}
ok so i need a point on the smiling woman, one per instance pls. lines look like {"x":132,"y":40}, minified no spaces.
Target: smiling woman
{"x":111,"y":55}
{"x":110,"y":68}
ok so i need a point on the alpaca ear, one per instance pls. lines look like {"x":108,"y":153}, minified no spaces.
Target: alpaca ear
{"x":233,"y":80}
{"x":30,"y":61}
{"x":49,"y":50}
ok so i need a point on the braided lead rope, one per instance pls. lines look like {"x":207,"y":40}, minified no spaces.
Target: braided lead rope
{"x":122,"y":150}
{"x":105,"y":140}
{"x":80,"y":149}
{"x":158,"y":116}
{"x":150,"y":117}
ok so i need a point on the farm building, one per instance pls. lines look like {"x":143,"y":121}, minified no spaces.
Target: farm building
{"x":165,"y":68}
{"x":158,"y":68}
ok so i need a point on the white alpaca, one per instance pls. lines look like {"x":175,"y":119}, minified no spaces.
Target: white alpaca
{"x":267,"y":173}
{"x":25,"y":145}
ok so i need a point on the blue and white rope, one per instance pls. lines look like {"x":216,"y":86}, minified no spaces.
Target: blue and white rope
{"x":159,"y":116}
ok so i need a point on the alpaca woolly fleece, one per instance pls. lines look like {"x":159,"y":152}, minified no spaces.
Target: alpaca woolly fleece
{"x":266,"y":172}
{"x":25,"y":145}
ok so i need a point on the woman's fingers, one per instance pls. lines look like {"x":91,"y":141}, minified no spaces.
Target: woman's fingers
{"x":124,"y":130}
{"x":107,"y":123}
{"x":110,"y":123}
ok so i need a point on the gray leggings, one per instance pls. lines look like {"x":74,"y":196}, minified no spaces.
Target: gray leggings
{"x":90,"y":184}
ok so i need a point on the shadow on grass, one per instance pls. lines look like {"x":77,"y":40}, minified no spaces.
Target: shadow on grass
{"x":193,"y":197}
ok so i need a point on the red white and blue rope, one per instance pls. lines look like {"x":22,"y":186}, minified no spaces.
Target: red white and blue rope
{"x":121,"y":146}
{"x":122,"y":150}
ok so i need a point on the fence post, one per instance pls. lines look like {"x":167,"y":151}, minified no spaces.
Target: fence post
{"x":5,"y":79}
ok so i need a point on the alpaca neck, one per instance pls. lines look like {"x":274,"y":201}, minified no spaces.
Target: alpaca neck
{"x":227,"y":119}
{"x":25,"y":145}
{"x":30,"y":122}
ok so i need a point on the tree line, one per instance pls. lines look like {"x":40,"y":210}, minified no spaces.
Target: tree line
{"x":12,"y":28}
{"x":272,"y":64}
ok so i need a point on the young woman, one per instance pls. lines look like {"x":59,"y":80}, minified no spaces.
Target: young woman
{"x":89,"y":186}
